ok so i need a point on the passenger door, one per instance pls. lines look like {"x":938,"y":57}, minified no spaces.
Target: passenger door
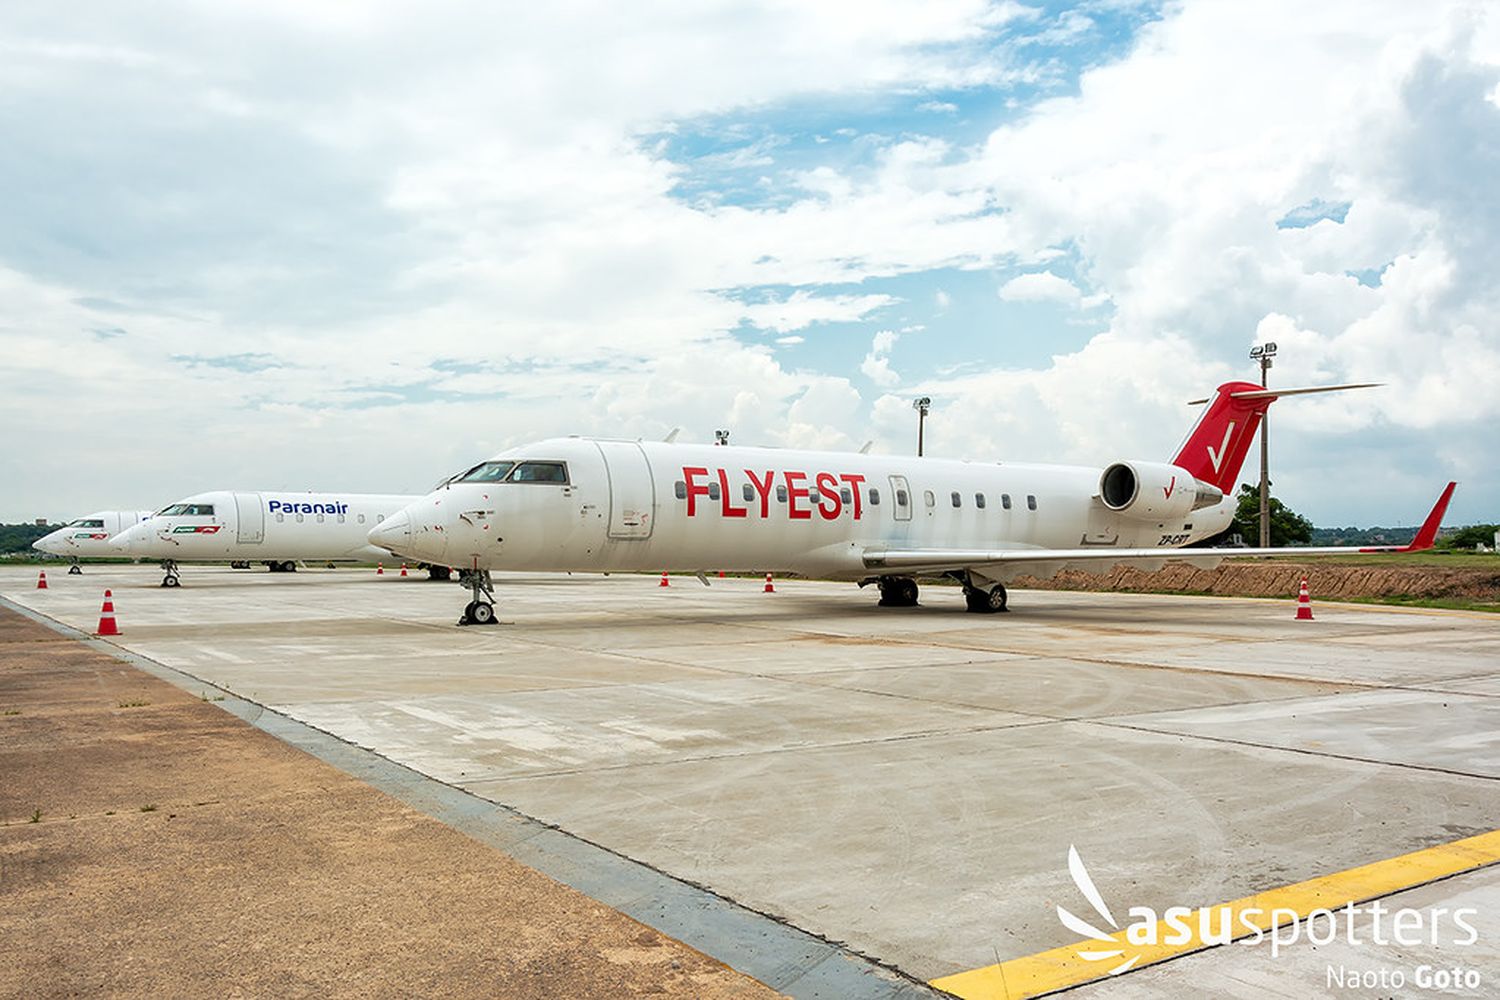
{"x":632,"y":493}
{"x":251,"y":518}
{"x":900,"y":499}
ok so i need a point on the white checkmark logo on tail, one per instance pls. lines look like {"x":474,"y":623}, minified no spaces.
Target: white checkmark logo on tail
{"x":1217,"y":457}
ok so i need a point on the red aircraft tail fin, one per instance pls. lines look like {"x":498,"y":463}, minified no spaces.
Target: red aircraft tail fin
{"x":1216,"y":447}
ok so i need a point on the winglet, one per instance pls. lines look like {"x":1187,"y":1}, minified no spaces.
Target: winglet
{"x":1427,"y":534}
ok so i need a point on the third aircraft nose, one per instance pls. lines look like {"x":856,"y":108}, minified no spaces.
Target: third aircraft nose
{"x":393,"y":534}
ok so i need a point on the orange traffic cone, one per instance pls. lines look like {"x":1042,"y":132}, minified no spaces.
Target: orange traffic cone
{"x":403,"y":569}
{"x":769,"y":588}
{"x":107,"y":624}
{"x":664,"y":582}
{"x":41,"y":580}
{"x":1304,"y":603}
{"x":380,"y":569}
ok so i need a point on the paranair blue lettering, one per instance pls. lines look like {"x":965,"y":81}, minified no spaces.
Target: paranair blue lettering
{"x":282,"y":507}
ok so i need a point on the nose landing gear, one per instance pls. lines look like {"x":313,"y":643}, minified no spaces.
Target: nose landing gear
{"x":169,"y":567}
{"x":75,"y":569}
{"x":481,"y":610}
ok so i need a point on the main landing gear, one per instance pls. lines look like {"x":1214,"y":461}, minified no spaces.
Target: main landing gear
{"x":282,"y":566}
{"x":481,"y":610}
{"x":985,"y":601}
{"x":169,"y":567}
{"x":437,"y":572}
{"x":897,"y":592}
{"x":901,"y":592}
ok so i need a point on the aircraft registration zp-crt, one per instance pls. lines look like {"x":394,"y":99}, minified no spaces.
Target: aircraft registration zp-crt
{"x":277,"y":529}
{"x":582,"y":504}
{"x":88,"y":536}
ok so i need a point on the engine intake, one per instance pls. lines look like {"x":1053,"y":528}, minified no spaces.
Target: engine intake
{"x":1154,"y":491}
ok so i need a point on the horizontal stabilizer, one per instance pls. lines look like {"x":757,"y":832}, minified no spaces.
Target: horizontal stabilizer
{"x":1278,"y":393}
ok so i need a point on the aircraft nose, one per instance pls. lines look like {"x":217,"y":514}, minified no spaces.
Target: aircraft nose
{"x":125,"y":540}
{"x":48,"y":543}
{"x":393,"y":534}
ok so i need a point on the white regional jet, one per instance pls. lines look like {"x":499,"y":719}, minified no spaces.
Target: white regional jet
{"x":582,"y":504}
{"x":274,"y":528}
{"x":89,"y":536}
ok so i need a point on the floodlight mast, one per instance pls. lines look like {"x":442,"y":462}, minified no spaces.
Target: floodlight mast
{"x":1264,"y":353}
{"x":921,"y":404}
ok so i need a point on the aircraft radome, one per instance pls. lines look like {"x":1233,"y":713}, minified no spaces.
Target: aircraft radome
{"x":275,"y":528}
{"x":88,"y":536}
{"x":583,"y":504}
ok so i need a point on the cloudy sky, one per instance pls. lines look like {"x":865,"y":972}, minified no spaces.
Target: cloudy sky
{"x":359,"y":246}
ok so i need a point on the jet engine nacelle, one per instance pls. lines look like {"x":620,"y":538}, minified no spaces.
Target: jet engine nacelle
{"x":1154,"y":491}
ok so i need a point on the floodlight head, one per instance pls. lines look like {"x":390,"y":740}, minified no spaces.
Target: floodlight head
{"x":921,"y":403}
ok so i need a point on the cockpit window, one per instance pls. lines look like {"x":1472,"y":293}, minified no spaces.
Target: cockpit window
{"x":86,"y":522}
{"x":485,"y":472}
{"x":539,"y":472}
{"x":188,"y":510}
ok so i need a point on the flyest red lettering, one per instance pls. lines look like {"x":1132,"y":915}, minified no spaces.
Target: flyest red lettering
{"x":695,"y":489}
{"x":824,"y":494}
{"x":729,"y":509}
{"x":794,"y":494}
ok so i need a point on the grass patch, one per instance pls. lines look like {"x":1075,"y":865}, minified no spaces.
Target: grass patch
{"x":134,"y":704}
{"x":149,"y":807}
{"x":207,"y":697}
{"x":11,"y":711}
{"x":36,"y":816}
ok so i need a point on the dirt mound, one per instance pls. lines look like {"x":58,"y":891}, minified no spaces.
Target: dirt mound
{"x":1280,"y":579}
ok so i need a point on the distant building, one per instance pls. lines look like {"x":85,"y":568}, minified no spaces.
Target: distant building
{"x":41,"y":522}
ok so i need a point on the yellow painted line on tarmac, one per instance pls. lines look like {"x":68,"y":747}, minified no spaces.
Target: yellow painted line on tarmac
{"x":1060,"y":968}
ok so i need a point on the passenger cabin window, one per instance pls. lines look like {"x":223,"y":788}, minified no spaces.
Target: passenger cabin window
{"x":748,"y":492}
{"x":680,"y":489}
{"x":979,"y":500}
{"x":928,"y":498}
{"x":361,"y":519}
{"x":958,"y":500}
{"x":320,"y":518}
{"x":485,"y":472}
{"x":781,"y":494}
{"x":86,"y":522}
{"x":299,"y":518}
{"x":901,"y":498}
{"x":539,"y":472}
{"x":1005,"y":500}
{"x":846,"y":496}
{"x":713,"y":491}
{"x":341,"y":519}
{"x":1030,"y":502}
{"x":874,"y":497}
{"x":281,"y":517}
